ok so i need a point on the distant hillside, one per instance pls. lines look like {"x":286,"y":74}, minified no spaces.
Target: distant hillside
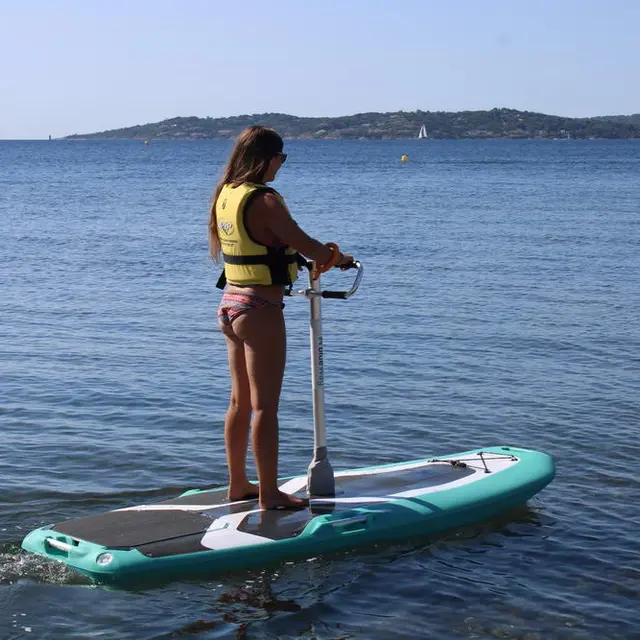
{"x":496,"y":123}
{"x":632,"y":119}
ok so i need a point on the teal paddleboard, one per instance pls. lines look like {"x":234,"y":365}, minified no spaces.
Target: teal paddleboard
{"x":201,"y":533}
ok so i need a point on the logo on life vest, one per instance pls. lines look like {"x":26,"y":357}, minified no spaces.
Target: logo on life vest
{"x":226,"y":227}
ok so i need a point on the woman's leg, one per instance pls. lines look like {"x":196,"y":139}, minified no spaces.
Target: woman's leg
{"x":263,"y":334}
{"x":236,"y":424}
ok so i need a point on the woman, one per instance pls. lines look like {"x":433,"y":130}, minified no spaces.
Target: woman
{"x":252,"y":228}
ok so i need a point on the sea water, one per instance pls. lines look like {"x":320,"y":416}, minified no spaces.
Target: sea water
{"x":500,"y":305}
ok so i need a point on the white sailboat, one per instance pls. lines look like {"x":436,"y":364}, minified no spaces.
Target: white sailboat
{"x":423,"y":132}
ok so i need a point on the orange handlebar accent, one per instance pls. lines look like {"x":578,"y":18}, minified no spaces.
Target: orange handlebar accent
{"x":333,"y":260}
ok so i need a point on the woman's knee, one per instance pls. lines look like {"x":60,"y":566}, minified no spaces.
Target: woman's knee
{"x":265,"y":411}
{"x":239,"y":404}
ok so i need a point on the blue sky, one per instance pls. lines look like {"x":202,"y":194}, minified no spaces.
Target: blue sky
{"x":70,"y":66}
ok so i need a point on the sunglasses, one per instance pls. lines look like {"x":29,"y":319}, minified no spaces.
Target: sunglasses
{"x":283,"y":157}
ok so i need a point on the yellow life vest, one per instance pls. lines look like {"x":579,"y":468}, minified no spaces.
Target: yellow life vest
{"x":246,"y":261}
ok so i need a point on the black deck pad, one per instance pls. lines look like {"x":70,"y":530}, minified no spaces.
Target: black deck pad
{"x":277,"y":524}
{"x":212,"y":496}
{"x":174,"y":531}
{"x":126,"y":529}
{"x":384,"y":484}
{"x":360,"y":485}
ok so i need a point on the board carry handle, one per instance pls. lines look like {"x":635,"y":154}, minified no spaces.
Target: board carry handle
{"x":58,"y":544}
{"x":345,"y":522}
{"x":339,"y":295}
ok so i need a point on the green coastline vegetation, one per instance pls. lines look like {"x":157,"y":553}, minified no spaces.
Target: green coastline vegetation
{"x":400,"y":125}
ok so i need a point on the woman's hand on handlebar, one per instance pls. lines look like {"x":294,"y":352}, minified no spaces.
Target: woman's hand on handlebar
{"x":346,"y":261}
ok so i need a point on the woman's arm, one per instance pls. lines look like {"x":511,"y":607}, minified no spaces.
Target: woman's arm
{"x":267,"y":213}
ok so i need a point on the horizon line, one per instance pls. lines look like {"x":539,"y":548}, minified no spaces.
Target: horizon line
{"x":282,"y":113}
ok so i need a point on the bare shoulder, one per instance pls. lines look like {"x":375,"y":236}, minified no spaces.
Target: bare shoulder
{"x":266,"y":217}
{"x":274,"y":202}
{"x":268,"y":204}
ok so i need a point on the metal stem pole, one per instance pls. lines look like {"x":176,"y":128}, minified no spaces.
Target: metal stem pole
{"x":317,"y":365}
{"x":320,"y":478}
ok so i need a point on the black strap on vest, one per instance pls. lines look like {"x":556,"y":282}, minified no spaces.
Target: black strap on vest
{"x":222,"y":281}
{"x":267,"y":259}
{"x":270,"y":259}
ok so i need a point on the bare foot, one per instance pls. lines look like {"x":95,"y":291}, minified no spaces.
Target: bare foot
{"x":283,"y":500}
{"x":247,"y":491}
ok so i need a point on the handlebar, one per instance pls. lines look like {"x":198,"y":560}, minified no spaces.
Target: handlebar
{"x":339,"y":295}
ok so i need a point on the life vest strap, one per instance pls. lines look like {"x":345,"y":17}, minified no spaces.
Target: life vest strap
{"x":267,"y":259}
{"x":222,"y":281}
{"x":296,"y":257}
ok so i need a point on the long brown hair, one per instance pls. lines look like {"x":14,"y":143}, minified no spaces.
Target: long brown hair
{"x":249,"y":161}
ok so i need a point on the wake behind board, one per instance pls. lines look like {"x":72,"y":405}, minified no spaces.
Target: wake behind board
{"x":201,"y":532}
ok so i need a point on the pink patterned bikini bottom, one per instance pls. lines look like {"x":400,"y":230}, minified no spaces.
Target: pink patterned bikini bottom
{"x":234,"y":304}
